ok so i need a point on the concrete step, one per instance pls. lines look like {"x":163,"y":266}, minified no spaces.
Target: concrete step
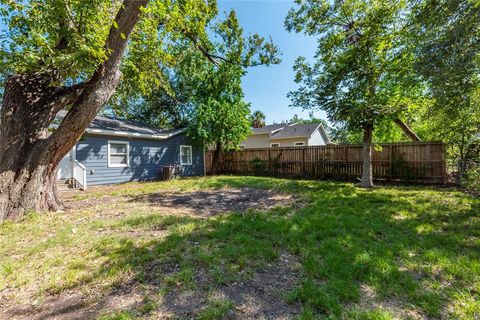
{"x":68,"y":185}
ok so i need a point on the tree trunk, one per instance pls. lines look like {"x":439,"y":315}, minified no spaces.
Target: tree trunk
{"x":216,"y":158}
{"x":32,"y":188}
{"x":29,"y":155}
{"x":367,"y":175}
{"x":407,"y":130}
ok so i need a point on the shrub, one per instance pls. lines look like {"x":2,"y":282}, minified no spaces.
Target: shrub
{"x":259,"y":166}
{"x":472,"y":180}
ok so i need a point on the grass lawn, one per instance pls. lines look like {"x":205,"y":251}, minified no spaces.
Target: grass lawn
{"x":329,"y":250}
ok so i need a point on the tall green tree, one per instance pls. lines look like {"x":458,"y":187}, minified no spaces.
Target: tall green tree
{"x":358,"y":73}
{"x":221,"y":117}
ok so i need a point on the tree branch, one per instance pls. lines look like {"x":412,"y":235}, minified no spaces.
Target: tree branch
{"x":96,"y":92}
{"x":406,"y":130}
{"x":210,"y":56}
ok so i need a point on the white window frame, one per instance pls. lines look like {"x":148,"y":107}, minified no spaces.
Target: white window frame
{"x":275,"y":145}
{"x":242,"y":146}
{"x":299,"y":143}
{"x":191,"y":156}
{"x":118,"y":165}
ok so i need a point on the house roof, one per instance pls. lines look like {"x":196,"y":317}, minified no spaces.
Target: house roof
{"x":300,"y":131}
{"x":268,"y":128}
{"x":112,"y":126}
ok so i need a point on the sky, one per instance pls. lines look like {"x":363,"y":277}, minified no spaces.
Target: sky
{"x":266,"y":88}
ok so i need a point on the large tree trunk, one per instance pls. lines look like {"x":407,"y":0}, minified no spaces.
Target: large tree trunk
{"x":367,"y":174}
{"x":29,"y":155}
{"x":216,"y":158}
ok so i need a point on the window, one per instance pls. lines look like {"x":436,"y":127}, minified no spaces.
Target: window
{"x":299,"y":144}
{"x":274,"y":145}
{"x":242,"y":146}
{"x":118,"y":154}
{"x":185,"y":155}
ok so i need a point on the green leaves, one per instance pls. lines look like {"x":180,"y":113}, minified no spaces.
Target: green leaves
{"x":358,"y":76}
{"x":67,"y":36}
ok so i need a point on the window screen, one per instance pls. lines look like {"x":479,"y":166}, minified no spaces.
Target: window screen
{"x":118,"y":154}
{"x":185,"y":155}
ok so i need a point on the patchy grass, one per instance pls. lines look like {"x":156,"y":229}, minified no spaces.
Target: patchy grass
{"x":391,"y":252}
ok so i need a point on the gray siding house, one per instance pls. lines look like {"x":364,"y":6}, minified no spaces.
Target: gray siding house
{"x":116,"y":151}
{"x":287,"y":135}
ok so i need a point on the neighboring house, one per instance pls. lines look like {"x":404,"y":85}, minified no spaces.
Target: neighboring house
{"x":115,"y":151}
{"x":287,"y":135}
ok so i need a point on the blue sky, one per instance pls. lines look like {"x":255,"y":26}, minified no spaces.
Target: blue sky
{"x":267,"y":87}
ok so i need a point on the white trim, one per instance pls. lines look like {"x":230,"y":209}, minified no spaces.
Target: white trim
{"x":118,"y":165}
{"x":299,"y":145}
{"x":189,"y":163}
{"x":277,"y":145}
{"x":73,"y":158}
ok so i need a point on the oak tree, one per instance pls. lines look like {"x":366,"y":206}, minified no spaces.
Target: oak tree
{"x":70,"y":55}
{"x":360,"y":63}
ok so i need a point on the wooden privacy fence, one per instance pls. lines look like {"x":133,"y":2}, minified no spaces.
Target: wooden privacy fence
{"x":411,"y":162}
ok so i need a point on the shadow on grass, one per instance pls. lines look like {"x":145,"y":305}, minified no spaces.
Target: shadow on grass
{"x":414,"y":249}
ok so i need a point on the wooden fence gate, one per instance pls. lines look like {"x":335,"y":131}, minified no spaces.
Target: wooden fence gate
{"x":422,"y":162}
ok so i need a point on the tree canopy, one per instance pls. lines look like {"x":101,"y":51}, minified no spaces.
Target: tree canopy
{"x":357,"y":75}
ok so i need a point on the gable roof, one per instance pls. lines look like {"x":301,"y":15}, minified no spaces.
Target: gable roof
{"x":121,"y":127}
{"x":300,"y":131}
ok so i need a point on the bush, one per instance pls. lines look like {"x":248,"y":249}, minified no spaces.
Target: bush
{"x":259,"y":166}
{"x":472,"y":180}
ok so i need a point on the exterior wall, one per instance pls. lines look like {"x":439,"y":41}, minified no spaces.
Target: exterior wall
{"x":257,"y":141}
{"x":147,"y":157}
{"x":263,"y":141}
{"x":316,"y":139}
{"x":290,"y":142}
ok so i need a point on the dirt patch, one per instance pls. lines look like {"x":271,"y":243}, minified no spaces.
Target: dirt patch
{"x":259,"y":297}
{"x":370,"y":301}
{"x":75,"y":306}
{"x":198,"y":203}
{"x":213,"y":202}
{"x":73,"y":204}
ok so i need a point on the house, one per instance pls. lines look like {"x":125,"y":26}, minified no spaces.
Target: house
{"x":287,"y":135}
{"x":115,"y":151}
